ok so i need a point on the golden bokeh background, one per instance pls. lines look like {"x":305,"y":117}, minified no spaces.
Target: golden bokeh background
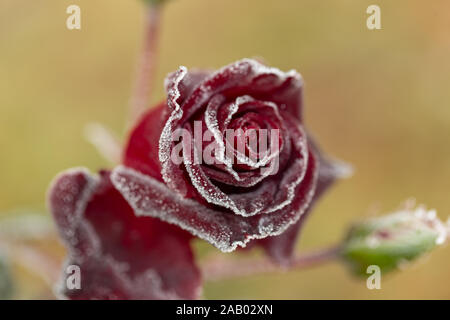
{"x":379,"y":100}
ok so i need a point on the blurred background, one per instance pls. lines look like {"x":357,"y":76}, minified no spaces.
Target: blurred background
{"x":379,"y":100}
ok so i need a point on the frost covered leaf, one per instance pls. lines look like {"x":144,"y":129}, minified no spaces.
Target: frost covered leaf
{"x":6,"y":282}
{"x":120,"y":255}
{"x":390,"y":241}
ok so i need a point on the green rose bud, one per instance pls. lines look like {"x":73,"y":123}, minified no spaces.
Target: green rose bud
{"x":6,"y":284}
{"x":391,"y":240}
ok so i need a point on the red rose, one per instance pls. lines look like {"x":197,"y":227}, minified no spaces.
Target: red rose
{"x":119,"y":255}
{"x":245,"y":194}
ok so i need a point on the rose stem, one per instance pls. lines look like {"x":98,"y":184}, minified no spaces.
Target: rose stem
{"x":146,"y":66}
{"x":218,"y":269}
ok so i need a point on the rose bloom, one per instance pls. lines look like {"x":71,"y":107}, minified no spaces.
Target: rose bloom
{"x":227,"y":203}
{"x":132,"y":227}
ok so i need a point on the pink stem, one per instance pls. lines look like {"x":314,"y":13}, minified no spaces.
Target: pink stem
{"x":146,"y":68}
{"x":219,"y":269}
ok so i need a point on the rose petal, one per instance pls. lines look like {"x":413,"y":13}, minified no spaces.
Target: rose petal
{"x":121,"y":256}
{"x":141,"y":152}
{"x":188,"y":83}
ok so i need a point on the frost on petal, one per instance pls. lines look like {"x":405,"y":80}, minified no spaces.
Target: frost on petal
{"x":226,"y":231}
{"x":68,"y":197}
{"x":172,"y":173}
{"x":120,"y":255}
{"x":189,"y":82}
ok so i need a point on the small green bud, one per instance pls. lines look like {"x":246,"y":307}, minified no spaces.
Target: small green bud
{"x":391,"y":240}
{"x":6,"y":283}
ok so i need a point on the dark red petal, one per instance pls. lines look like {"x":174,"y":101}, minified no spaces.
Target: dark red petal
{"x":121,"y":256}
{"x":226,"y":231}
{"x":141,"y":152}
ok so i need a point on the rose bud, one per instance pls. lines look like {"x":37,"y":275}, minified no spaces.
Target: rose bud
{"x":181,"y":166}
{"x":118,"y":255}
{"x":390,"y":241}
